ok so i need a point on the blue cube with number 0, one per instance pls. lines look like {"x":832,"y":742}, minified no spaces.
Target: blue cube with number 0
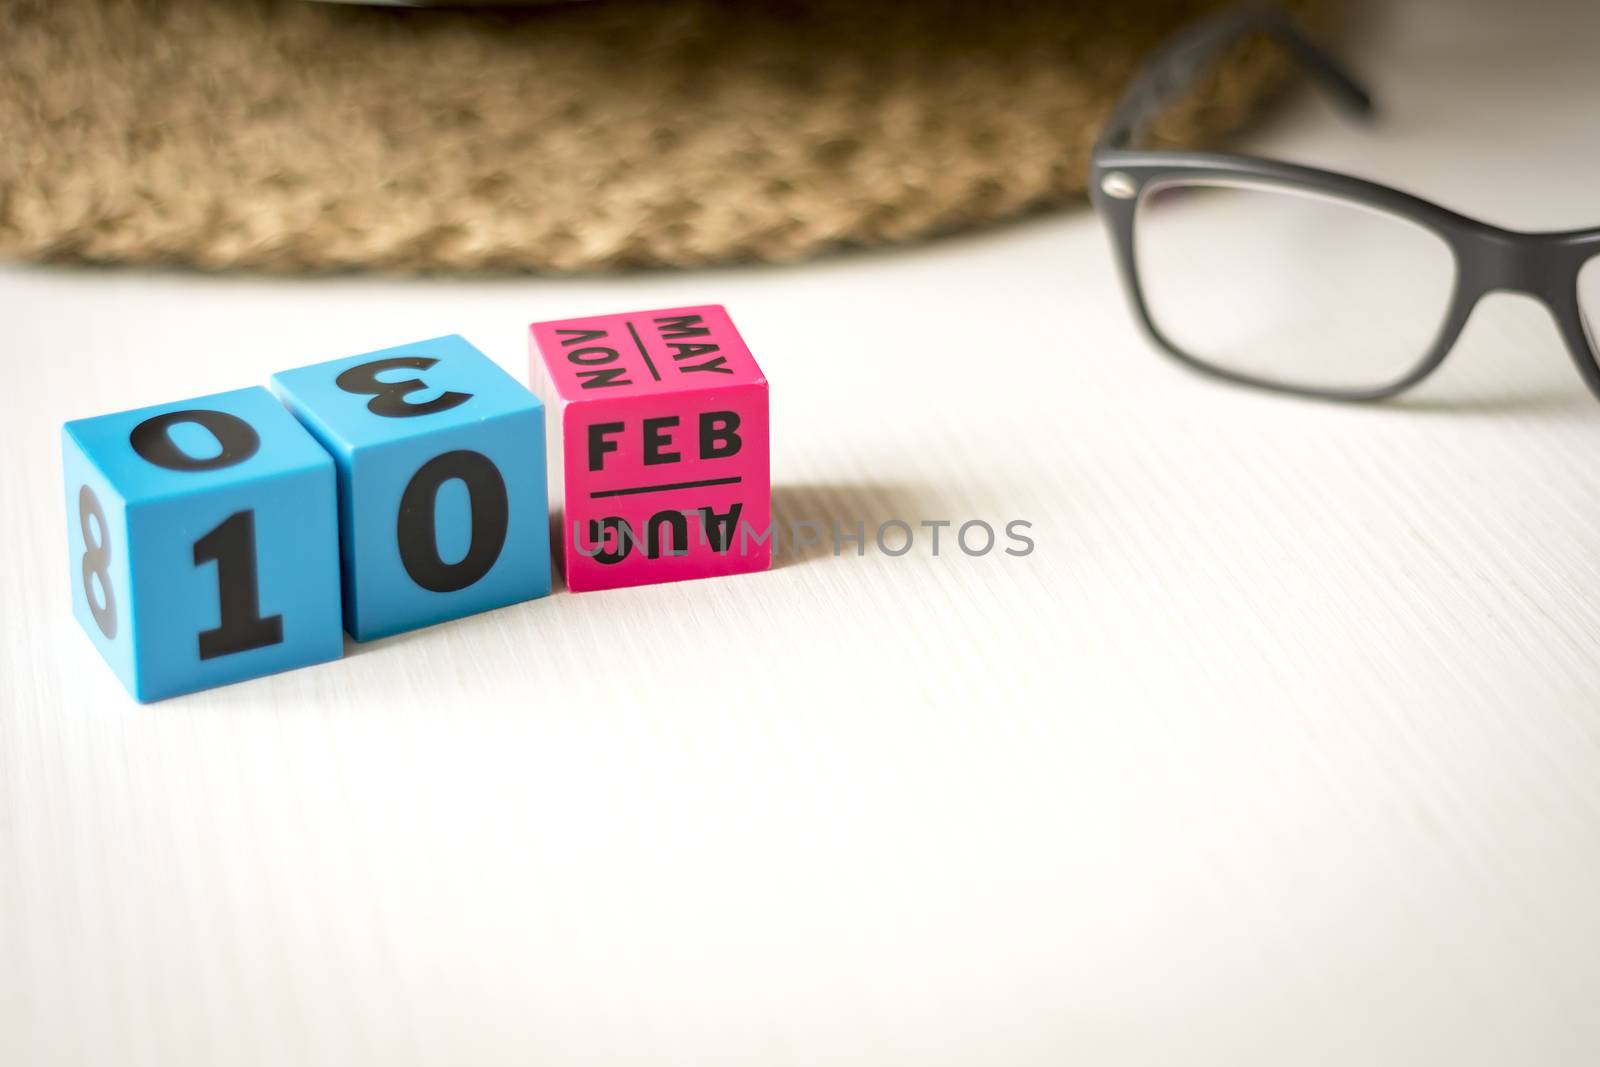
{"x":203,"y":542}
{"x":442,"y":505}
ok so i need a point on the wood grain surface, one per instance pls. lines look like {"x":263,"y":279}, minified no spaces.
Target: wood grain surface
{"x":1280,"y":748}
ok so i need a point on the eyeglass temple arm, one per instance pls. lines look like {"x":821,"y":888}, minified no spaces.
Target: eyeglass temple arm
{"x":1179,"y":64}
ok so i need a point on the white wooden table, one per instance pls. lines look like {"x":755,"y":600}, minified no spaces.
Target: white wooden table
{"x":1283,"y":746}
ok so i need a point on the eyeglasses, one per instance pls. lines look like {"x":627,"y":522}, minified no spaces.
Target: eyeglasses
{"x":1302,"y":280}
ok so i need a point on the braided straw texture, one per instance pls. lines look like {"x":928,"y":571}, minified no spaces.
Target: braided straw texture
{"x":285,"y":136}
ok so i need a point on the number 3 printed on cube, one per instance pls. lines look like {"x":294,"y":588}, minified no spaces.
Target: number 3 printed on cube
{"x":442,"y":503}
{"x":203,"y":542}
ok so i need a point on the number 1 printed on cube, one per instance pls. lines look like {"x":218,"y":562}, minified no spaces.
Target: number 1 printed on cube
{"x":442,"y":503}
{"x":203,"y":542}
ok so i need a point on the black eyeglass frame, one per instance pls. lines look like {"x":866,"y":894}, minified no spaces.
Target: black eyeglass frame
{"x":1488,"y":259}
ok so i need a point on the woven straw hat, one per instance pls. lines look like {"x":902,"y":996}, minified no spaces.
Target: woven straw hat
{"x":285,"y":135}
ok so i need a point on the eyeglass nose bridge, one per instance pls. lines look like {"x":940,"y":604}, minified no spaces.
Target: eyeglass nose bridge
{"x":1494,"y":260}
{"x":1543,"y":266}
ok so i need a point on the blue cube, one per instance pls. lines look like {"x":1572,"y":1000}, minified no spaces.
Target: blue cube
{"x":442,"y":504}
{"x":203,"y":542}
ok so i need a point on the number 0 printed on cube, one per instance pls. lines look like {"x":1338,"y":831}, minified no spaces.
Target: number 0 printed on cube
{"x":442,"y":506}
{"x":202,"y":542}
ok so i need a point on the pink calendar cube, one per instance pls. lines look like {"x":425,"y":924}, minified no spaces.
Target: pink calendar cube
{"x":659,"y":444}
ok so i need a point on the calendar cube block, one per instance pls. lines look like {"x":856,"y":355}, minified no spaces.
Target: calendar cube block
{"x":442,"y":504}
{"x":203,"y":542}
{"x":661,"y":434}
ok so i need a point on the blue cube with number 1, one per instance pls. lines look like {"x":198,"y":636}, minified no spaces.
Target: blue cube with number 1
{"x":442,"y":505}
{"x":204,"y":542}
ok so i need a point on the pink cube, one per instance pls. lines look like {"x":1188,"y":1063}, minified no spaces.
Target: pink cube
{"x":659,"y":445}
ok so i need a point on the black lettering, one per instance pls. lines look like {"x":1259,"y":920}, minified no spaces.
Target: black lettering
{"x":232,"y":547}
{"x":238,"y":439}
{"x":389,"y":398}
{"x":718,"y":529}
{"x":593,"y":357}
{"x":622,"y":534}
{"x":677,"y":326}
{"x":690,"y":350}
{"x":415,"y":530}
{"x":719,"y":434}
{"x":654,"y":440}
{"x":603,"y":379}
{"x":678,"y":522}
{"x":714,"y":366}
{"x":599,"y":445}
